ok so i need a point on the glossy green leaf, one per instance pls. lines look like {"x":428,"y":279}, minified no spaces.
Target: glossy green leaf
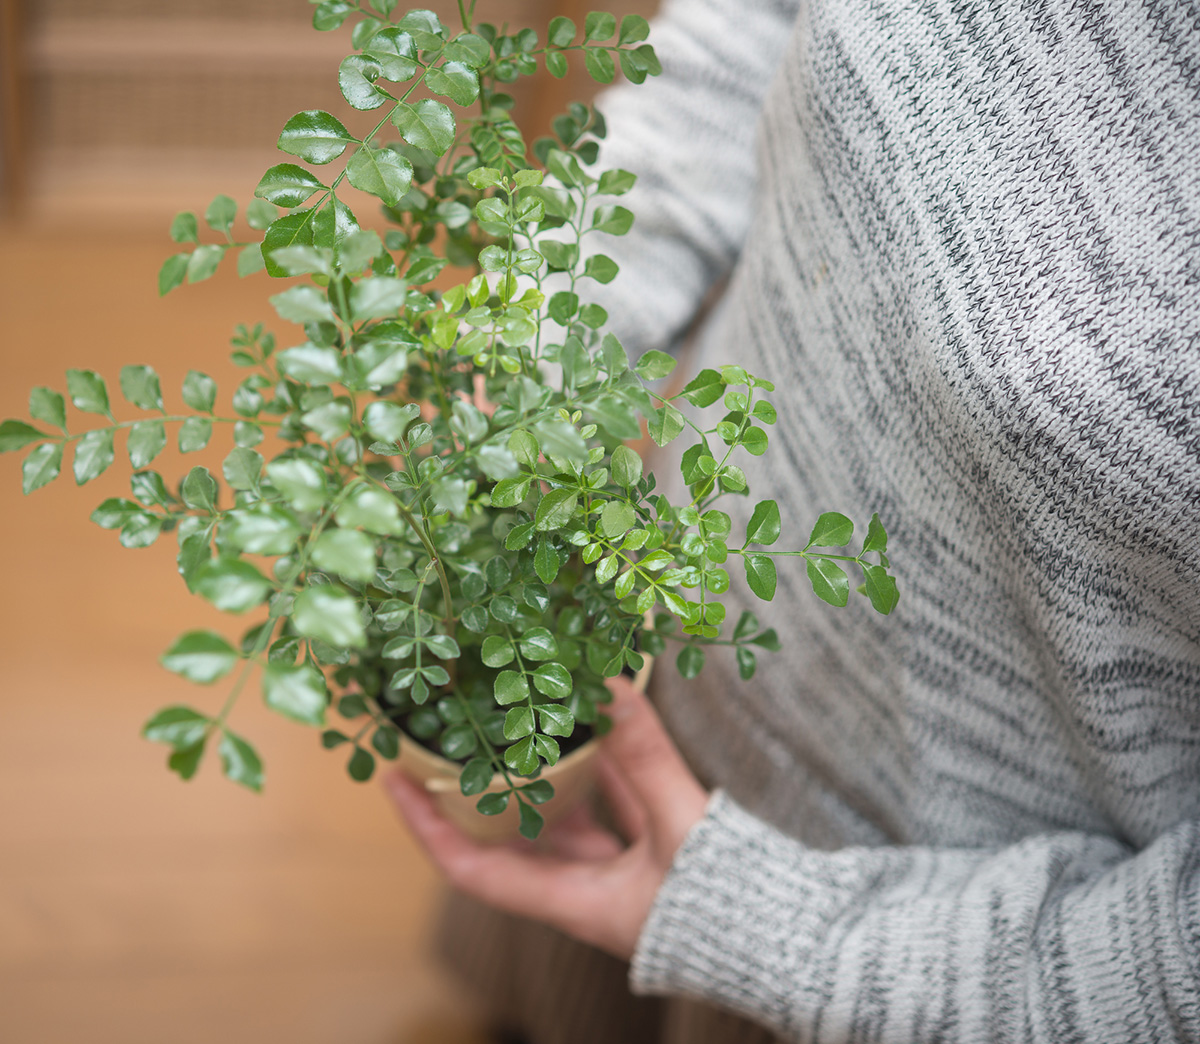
{"x":264,"y":529}
{"x":147,"y":439}
{"x":289,"y":230}
{"x":538,"y":644}
{"x":345,"y":552}
{"x":200,"y":656}
{"x":690,"y":661}
{"x":45,"y":404}
{"x":15,"y":435}
{"x":555,"y":509}
{"x":396,"y":54}
{"x":760,"y":575}
{"x":522,"y":757}
{"x":41,"y":466}
{"x":427,"y":124}
{"x":240,"y":761}
{"x":200,"y":490}
{"x":492,"y":804}
{"x":315,"y":136}
{"x":876,"y":536}
{"x":199,"y":391}
{"x":330,"y":615}
{"x":87,"y":391}
{"x":178,"y":726}
{"x":93,"y":454}
{"x":764,"y":525}
{"x":665,"y":425}
{"x":476,"y":776}
{"x":458,"y":742}
{"x":561,"y":439}
{"x":372,"y":509}
{"x":221,"y":213}
{"x":171,"y":274}
{"x":311,"y":365}
{"x":832,"y":530}
{"x":231,"y":584}
{"x":356,"y":78}
{"x":204,"y":262}
{"x":377,"y":297}
{"x":296,"y":692}
{"x":184,"y":228}
{"x":288,"y":185}
{"x":243,"y":468}
{"x":881,"y":588}
{"x":705,"y":388}
{"x":518,"y":723}
{"x":599,"y":25}
{"x":380,"y":172}
{"x":454,"y":80}
{"x":553,"y":680}
{"x":303,"y":304}
{"x":561,"y":32}
{"x":300,"y":482}
{"x":194,"y":434}
{"x":654,"y":365}
{"x":510,"y":687}
{"x":531,"y":821}
{"x":746,"y":663}
{"x":140,"y":386}
{"x":829,"y":581}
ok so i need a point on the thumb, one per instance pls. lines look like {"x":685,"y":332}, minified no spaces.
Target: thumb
{"x":641,"y":750}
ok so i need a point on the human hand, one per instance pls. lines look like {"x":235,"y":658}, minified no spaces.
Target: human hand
{"x":578,"y":876}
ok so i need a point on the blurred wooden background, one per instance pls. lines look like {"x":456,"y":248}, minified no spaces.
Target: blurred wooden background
{"x":135,"y":908}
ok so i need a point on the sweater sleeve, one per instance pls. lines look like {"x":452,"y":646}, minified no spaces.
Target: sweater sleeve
{"x":1061,"y":937}
{"x":689,"y":136}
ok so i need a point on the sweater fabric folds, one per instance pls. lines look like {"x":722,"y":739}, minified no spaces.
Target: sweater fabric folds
{"x":963,"y":240}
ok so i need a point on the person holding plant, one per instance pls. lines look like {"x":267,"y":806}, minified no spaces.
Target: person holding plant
{"x":963,"y":241}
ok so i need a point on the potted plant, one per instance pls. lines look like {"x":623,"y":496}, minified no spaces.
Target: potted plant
{"x":428,"y":502}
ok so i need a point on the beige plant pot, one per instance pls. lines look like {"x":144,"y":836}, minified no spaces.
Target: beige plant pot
{"x":573,"y":777}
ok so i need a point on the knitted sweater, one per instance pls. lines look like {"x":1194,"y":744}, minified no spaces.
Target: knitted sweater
{"x":964,"y":243}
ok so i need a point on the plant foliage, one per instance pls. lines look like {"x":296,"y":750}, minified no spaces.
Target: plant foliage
{"x":449,"y":529}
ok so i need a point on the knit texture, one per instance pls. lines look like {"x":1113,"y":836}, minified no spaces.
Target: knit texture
{"x":966,"y":249}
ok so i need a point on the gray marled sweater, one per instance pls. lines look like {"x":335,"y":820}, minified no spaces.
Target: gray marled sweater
{"x":964,"y":242}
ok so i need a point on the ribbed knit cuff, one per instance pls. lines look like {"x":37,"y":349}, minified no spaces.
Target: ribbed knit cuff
{"x":743,"y":916}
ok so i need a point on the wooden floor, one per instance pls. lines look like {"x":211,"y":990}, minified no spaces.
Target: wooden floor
{"x":133,"y":907}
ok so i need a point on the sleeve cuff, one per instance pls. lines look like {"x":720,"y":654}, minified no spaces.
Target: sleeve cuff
{"x":743,"y":917}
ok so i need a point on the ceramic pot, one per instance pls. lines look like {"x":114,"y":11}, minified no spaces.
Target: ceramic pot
{"x":573,"y":777}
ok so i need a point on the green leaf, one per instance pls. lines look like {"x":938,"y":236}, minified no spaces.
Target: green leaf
{"x":556,"y":509}
{"x":199,"y":391}
{"x":204,"y":262}
{"x":200,"y":656}
{"x":545,"y":562}
{"x":186,"y":760}
{"x":690,"y":661}
{"x":829,"y":581}
{"x":426,"y":28}
{"x":150,"y":489}
{"x":599,"y":25}
{"x":617,"y":519}
{"x":178,"y":726}
{"x":754,"y":440}
{"x":345,"y":552}
{"x":330,"y":615}
{"x":746,"y":663}
{"x":522,"y":757}
{"x":240,"y":762}
{"x":315,"y":136}
{"x":184,"y":228}
{"x":626,"y":467}
{"x":428,"y":124}
{"x":705,"y":388}
{"x":555,"y":721}
{"x":260,"y":214}
{"x":41,"y":466}
{"x":476,"y":776}
{"x":289,"y":230}
{"x":15,"y":435}
{"x":220,"y":213}
{"x":300,"y":482}
{"x":458,"y":742}
{"x":634,"y":29}
{"x":380,"y":172}
{"x":454,"y":80}
{"x":747,"y":624}
{"x":538,"y":644}
{"x":616,"y":221}
{"x":309,"y":364}
{"x":510,"y":687}
{"x":93,"y":454}
{"x":497,"y":651}
{"x":881,"y":588}
{"x":373,"y":510}
{"x":665,"y":425}
{"x":764,"y":524}
{"x":231,"y":584}
{"x":386,"y":742}
{"x":388,"y":421}
{"x":140,"y":386}
{"x":303,"y":304}
{"x":616,"y":417}
{"x":250,"y":260}
{"x":760,"y":575}
{"x":560,"y":438}
{"x":492,"y":804}
{"x":288,"y":185}
{"x":394,"y":51}
{"x":832,"y":530}
{"x":654,"y":365}
{"x":518,"y":723}
{"x":171,"y":274}
{"x":356,"y":78}
{"x":265,"y":529}
{"x":876,"y":536}
{"x":361,"y":766}
{"x":601,"y":268}
{"x":531,"y":821}
{"x":88,"y":392}
{"x":194,"y":434}
{"x":553,"y":680}
{"x":45,"y":404}
{"x":147,"y":439}
{"x":200,"y":490}
{"x":329,"y":14}
{"x":296,"y":692}
{"x":561,"y":32}
{"x":599,"y":64}
{"x":377,"y":297}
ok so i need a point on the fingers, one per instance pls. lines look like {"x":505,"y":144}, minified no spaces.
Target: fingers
{"x":640,"y":748}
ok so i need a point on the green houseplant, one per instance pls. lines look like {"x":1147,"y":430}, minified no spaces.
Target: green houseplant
{"x":428,"y":502}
